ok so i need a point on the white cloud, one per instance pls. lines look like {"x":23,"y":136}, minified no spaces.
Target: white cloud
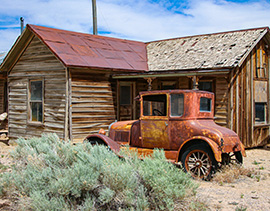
{"x":134,"y":19}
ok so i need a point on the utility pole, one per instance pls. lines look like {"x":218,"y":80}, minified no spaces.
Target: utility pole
{"x":94,"y":11}
{"x":22,"y":24}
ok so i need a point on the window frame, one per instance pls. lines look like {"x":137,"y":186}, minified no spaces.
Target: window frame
{"x":29,"y":116}
{"x":265,"y":113}
{"x":210,"y":103}
{"x":120,"y":94}
{"x":207,"y":81}
{"x":150,"y":105}
{"x":183,"y":110}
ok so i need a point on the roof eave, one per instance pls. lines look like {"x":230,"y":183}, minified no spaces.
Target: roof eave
{"x":16,"y":50}
{"x":175,"y":73}
{"x":252,"y":47}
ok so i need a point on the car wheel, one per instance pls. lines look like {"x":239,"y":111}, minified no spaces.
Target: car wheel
{"x":233,"y":157}
{"x":199,"y":161}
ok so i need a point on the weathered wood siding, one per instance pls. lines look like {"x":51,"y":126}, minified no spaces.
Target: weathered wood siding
{"x":93,"y":102}
{"x":37,"y":62}
{"x":221,"y":101}
{"x":250,"y":84}
{"x":2,"y":94}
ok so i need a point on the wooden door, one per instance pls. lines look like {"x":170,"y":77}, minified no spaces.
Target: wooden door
{"x":126,"y":104}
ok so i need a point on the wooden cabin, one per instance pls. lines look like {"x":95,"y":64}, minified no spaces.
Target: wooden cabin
{"x":234,"y":65}
{"x":74,"y":84}
{"x":60,"y":81}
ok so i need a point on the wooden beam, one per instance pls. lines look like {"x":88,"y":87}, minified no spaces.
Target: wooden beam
{"x":172,"y":74}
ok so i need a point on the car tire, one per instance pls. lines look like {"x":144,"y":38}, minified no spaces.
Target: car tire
{"x":199,"y":161}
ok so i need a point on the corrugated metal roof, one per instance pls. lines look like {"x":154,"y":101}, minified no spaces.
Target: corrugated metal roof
{"x":85,"y":50}
{"x":220,"y":50}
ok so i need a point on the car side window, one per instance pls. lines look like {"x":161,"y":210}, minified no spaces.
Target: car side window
{"x":155,"y":105}
{"x":205,"y":104}
{"x":177,"y":104}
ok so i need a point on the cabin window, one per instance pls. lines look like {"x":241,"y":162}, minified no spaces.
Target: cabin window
{"x":205,"y":104}
{"x":260,"y":112}
{"x":177,"y":104}
{"x":155,"y":105}
{"x":206,"y":86}
{"x":125,"y":98}
{"x":36,"y":100}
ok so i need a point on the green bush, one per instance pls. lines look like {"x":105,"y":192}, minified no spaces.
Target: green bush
{"x":54,"y":175}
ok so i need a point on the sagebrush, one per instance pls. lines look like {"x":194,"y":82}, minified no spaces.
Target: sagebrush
{"x":54,"y":175}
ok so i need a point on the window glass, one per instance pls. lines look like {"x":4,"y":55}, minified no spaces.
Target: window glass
{"x":36,"y":90}
{"x":260,"y":112}
{"x":125,"y":95}
{"x":154,"y":105}
{"x":177,"y":104}
{"x":206,"y":86}
{"x":205,"y":104}
{"x":36,"y":105}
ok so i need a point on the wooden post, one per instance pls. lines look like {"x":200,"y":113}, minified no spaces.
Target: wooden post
{"x":195,"y":82}
{"x":149,"y":81}
{"x":94,"y":11}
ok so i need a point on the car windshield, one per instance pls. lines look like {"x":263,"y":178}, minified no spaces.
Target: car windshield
{"x":155,"y":105}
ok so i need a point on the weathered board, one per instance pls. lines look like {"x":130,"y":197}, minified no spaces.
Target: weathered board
{"x":92,"y":103}
{"x":37,"y":62}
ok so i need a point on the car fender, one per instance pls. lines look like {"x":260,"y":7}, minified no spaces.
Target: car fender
{"x":213,"y":145}
{"x":114,"y":146}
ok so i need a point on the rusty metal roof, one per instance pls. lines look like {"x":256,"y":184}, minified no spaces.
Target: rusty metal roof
{"x":75,"y":49}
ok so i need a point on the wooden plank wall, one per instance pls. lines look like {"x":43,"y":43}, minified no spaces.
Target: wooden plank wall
{"x":93,"y":102}
{"x":221,"y":101}
{"x":243,"y":93}
{"x":37,"y":62}
{"x":2,"y":94}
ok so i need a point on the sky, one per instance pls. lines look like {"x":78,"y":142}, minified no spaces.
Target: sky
{"x":141,"y":20}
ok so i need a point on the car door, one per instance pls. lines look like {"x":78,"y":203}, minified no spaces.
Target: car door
{"x":154,"y":122}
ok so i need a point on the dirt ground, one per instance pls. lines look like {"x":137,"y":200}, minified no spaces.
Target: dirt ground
{"x":245,"y":193}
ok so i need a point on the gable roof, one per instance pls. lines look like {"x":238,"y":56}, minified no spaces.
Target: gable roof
{"x":212,"y":51}
{"x":75,"y":49}
{"x":2,"y":56}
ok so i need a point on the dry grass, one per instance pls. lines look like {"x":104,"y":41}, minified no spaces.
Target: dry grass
{"x":232,"y":172}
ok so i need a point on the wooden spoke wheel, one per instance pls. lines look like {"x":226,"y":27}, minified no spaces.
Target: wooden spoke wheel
{"x":198,"y":162}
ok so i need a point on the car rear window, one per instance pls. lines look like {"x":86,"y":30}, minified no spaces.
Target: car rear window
{"x":205,"y":104}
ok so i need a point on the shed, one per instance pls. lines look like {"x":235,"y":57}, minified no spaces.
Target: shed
{"x":234,"y":65}
{"x":60,"y":81}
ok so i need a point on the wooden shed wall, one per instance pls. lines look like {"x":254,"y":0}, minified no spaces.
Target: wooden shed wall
{"x":2,"y":94}
{"x":37,"y":62}
{"x":244,"y":92}
{"x":93,"y":102}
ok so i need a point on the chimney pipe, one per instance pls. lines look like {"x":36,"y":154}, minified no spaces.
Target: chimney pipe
{"x":22,"y":24}
{"x":94,"y":11}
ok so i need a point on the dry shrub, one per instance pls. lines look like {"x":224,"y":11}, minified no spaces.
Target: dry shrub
{"x":232,"y":172}
{"x":53,"y":175}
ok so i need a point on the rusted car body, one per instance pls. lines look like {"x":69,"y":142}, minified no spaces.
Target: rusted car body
{"x":182,"y":123}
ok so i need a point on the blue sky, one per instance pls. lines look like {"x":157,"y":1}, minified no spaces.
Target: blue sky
{"x":142,"y":20}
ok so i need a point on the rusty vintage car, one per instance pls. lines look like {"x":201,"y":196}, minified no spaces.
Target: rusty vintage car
{"x":182,"y":123}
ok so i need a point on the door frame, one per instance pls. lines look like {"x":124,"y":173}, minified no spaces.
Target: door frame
{"x":132,"y":85}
